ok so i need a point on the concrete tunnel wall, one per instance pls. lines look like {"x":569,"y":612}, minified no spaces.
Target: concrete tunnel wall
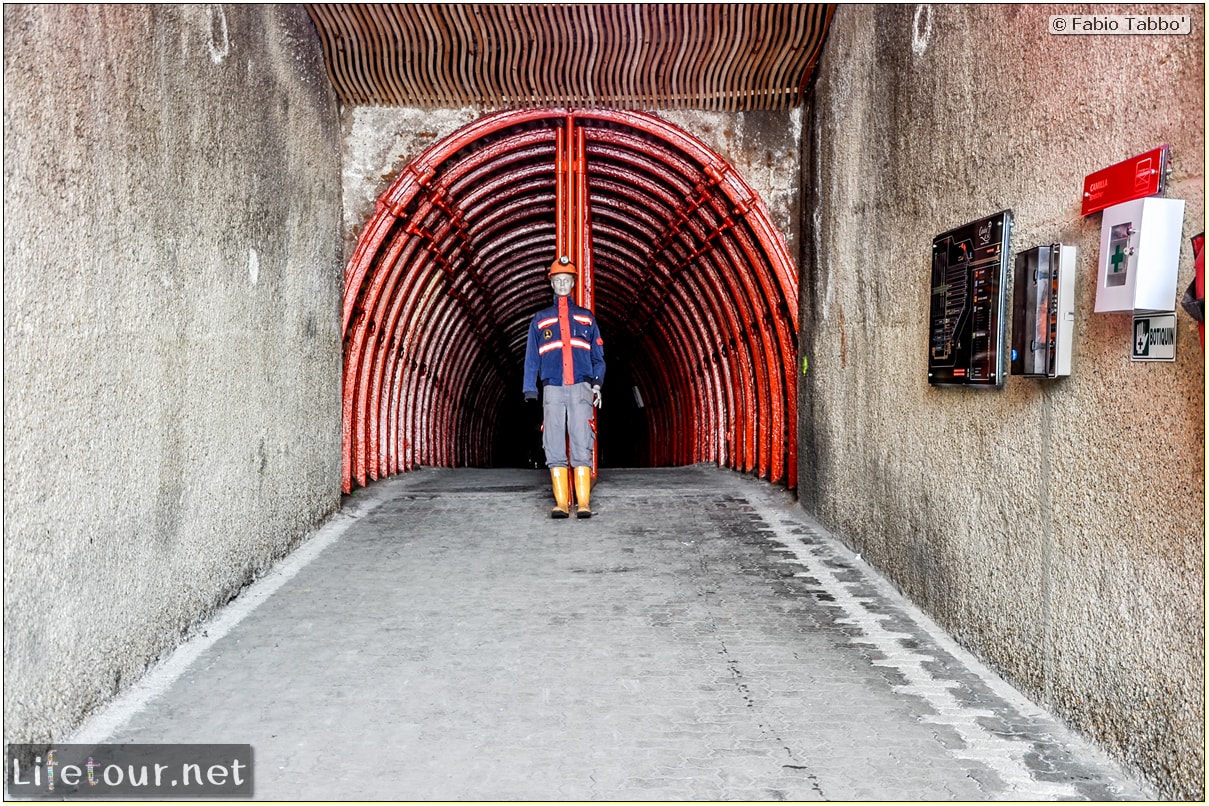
{"x":1056,"y":528}
{"x":172,"y":274}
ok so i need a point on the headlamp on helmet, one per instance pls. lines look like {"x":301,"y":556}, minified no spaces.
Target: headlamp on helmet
{"x":562,"y":265}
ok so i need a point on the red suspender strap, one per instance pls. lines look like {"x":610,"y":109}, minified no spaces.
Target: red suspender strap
{"x":564,"y":333}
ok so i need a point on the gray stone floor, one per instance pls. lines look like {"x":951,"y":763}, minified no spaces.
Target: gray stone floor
{"x":701,"y":639}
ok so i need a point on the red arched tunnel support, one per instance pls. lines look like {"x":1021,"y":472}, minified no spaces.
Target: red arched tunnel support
{"x":694,"y":291}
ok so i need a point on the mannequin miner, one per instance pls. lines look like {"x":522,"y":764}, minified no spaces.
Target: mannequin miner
{"x":565,"y":355}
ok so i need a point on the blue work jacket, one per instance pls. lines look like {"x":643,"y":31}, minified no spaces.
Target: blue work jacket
{"x":544,"y":353}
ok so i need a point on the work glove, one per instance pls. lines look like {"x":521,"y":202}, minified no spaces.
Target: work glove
{"x":530,"y":397}
{"x":596,"y":396}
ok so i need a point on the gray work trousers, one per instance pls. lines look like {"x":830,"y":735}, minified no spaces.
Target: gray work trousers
{"x":567,"y":410}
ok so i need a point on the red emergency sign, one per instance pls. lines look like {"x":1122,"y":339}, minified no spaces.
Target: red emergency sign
{"x":1135,"y":178}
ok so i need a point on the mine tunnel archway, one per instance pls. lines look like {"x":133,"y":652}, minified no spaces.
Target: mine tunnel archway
{"x":694,"y":291}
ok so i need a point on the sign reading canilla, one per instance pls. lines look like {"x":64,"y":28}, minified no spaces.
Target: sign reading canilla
{"x":1135,"y":178}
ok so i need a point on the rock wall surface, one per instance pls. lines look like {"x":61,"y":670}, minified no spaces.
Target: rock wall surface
{"x":1056,"y":528}
{"x":172,"y":279}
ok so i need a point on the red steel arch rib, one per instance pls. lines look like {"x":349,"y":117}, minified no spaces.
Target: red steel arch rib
{"x":693,"y":287}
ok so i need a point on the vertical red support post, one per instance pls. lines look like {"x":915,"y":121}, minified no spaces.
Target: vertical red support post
{"x":572,"y":220}
{"x":567,"y":212}
{"x":583,"y":236}
{"x":564,"y":206}
{"x":583,"y":246}
{"x":560,"y":202}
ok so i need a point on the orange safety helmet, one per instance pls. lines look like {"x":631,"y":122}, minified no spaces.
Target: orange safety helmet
{"x":562,"y":265}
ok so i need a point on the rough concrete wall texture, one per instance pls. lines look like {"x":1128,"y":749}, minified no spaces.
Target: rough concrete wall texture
{"x":378,"y":142}
{"x":764,"y":147}
{"x":172,"y":282}
{"x":1056,"y":528}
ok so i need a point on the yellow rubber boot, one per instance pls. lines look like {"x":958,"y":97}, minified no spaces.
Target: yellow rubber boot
{"x":583,"y":491}
{"x":562,"y":492}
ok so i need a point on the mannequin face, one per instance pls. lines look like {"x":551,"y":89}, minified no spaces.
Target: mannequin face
{"x":562,"y":284}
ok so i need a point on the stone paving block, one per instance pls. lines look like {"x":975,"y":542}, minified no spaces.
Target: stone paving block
{"x":701,"y":638}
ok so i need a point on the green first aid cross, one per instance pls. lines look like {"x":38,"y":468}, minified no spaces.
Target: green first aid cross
{"x":1118,"y":257}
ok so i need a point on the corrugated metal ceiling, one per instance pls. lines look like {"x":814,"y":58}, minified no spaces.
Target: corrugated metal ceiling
{"x":725,"y":57}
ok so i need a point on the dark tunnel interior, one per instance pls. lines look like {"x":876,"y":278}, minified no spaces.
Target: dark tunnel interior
{"x":621,"y":426}
{"x":691,"y":284}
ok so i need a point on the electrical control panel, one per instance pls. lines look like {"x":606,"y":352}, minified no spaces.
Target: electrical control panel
{"x":1043,"y":311}
{"x":967,"y":327}
{"x":1139,"y":255}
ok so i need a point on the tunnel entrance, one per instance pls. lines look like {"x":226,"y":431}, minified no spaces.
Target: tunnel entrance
{"x":691,"y":284}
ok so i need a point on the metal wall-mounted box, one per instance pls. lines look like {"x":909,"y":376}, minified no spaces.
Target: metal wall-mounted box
{"x":1043,"y":311}
{"x":1139,"y":255}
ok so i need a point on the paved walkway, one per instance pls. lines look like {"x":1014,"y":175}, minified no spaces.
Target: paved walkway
{"x":701,"y":639}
